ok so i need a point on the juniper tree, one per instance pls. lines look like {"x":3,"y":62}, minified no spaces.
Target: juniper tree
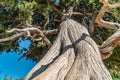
{"x":74,"y":55}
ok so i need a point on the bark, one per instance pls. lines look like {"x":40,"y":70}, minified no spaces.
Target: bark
{"x":73,"y":56}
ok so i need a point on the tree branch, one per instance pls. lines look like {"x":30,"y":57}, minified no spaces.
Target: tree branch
{"x":12,"y":37}
{"x":31,"y":31}
{"x":100,"y":21}
{"x":77,"y":13}
{"x":114,"y":5}
{"x":47,"y":22}
{"x":51,"y":32}
{"x":28,"y":30}
{"x":108,"y":46}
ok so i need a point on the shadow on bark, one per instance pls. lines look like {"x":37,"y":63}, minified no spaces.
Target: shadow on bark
{"x":73,"y":56}
{"x":44,"y":67}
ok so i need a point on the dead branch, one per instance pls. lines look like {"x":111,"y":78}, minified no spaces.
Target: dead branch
{"x":28,"y":30}
{"x":31,"y":31}
{"x":37,"y":39}
{"x":12,"y":37}
{"x":50,"y":32}
{"x":100,"y":21}
{"x":108,"y":46}
{"x":77,"y":13}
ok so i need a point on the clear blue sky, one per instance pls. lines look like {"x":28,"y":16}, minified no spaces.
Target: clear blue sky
{"x":13,"y":68}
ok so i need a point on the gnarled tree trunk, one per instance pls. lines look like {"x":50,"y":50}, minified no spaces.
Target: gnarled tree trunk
{"x":73,"y":56}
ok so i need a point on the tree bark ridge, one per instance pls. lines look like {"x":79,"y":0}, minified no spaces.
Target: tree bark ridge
{"x":79,"y":58}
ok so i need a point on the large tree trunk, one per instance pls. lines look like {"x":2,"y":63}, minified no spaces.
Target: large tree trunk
{"x":73,"y":56}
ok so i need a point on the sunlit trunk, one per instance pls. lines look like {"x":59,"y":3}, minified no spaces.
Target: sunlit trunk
{"x":73,"y":56}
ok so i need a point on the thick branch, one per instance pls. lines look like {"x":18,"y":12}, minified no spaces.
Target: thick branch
{"x":12,"y":37}
{"x":38,"y":31}
{"x":108,"y":46}
{"x":114,"y":5}
{"x":105,"y":7}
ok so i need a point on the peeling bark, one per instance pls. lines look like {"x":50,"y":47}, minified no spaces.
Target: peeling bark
{"x":73,"y":56}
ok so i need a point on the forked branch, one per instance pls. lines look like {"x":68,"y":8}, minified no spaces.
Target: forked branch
{"x":30,"y":31}
{"x":12,"y":37}
{"x":108,"y":46}
{"x":100,"y":21}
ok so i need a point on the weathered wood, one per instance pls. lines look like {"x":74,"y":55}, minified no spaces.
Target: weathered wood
{"x":73,"y":56}
{"x":105,"y":8}
{"x":108,"y":45}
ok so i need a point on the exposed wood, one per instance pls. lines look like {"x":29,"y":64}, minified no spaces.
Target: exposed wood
{"x":53,"y":52}
{"x":100,"y":21}
{"x":107,"y":46}
{"x":27,"y":30}
{"x":50,"y":32}
{"x":12,"y":37}
{"x":73,"y":56}
{"x":40,"y":33}
{"x":84,"y":61}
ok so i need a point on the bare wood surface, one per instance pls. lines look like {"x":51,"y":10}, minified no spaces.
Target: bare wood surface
{"x":12,"y":37}
{"x":73,"y":56}
{"x":30,"y":31}
{"x":100,"y":21}
{"x":108,"y":46}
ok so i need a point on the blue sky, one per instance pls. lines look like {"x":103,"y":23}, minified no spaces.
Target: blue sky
{"x":13,"y":68}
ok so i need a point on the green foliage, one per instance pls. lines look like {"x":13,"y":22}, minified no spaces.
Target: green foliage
{"x":91,"y":1}
{"x":115,"y":58}
{"x":26,"y":10}
{"x":41,"y":44}
{"x":12,"y":79}
{"x":115,"y":74}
